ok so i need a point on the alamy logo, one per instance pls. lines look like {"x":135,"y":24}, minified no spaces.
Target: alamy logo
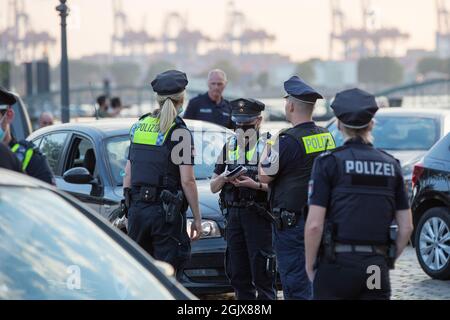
{"x":374,"y":279}
{"x":73,"y":282}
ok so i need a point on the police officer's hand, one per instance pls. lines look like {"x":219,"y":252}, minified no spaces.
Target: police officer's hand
{"x":196,"y":230}
{"x":245,"y":182}
{"x":224,"y":178}
{"x":311,"y":273}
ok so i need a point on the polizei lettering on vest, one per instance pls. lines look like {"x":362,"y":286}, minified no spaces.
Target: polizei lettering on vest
{"x":371,"y":168}
{"x":147,"y":127}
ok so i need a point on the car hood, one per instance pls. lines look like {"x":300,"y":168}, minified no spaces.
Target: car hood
{"x":209,"y":202}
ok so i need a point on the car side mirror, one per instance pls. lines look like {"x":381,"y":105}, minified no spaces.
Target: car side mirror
{"x":79,"y":175}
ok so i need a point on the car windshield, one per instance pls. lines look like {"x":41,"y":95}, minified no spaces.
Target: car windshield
{"x":399,"y":133}
{"x":208,"y":145}
{"x":50,"y":250}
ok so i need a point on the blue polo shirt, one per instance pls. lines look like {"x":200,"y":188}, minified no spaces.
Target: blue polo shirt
{"x":203,"y":108}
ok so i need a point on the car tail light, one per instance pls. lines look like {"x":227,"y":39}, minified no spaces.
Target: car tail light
{"x":417,"y":173}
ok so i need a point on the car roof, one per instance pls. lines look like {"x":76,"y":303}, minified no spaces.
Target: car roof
{"x":119,"y":126}
{"x":421,"y":112}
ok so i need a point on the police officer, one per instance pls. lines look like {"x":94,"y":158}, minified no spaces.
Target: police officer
{"x":32,"y":161}
{"x":211,"y":106}
{"x":156,"y":178}
{"x":360,"y":190}
{"x":250,"y":260}
{"x":287,"y":169}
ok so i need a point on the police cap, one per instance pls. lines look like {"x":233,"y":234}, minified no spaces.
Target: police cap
{"x":246,"y":110}
{"x":169,"y":82}
{"x":297,"y":88}
{"x":6,"y":99}
{"x":355,"y":108}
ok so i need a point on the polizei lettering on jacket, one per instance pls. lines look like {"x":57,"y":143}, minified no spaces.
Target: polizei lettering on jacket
{"x":371,"y":168}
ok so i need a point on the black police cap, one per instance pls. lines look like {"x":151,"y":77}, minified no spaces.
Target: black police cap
{"x":298,"y":89}
{"x":6,"y":98}
{"x":169,"y":82}
{"x":355,"y":108}
{"x":246,"y":110}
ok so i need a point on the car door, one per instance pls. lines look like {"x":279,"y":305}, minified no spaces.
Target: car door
{"x":81,"y":153}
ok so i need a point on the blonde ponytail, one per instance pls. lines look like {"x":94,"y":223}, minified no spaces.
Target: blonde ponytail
{"x":168,"y":113}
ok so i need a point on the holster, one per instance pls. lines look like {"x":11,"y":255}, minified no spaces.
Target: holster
{"x":223,"y":207}
{"x":126,"y":203}
{"x":328,"y":243}
{"x":392,"y":247}
{"x":172,"y":204}
{"x":271,"y":264}
{"x":284,"y":219}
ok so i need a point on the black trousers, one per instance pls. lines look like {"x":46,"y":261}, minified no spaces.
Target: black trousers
{"x":353,"y":276}
{"x":165,"y":242}
{"x":250,"y":255}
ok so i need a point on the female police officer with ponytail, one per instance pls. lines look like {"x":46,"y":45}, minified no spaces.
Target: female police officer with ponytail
{"x":159,"y":180}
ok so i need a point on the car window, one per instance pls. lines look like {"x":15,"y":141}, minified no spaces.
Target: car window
{"x":50,"y":250}
{"x":117,"y":155}
{"x":81,"y":154}
{"x":441,"y":150}
{"x":208,"y":145}
{"x":37,"y":142}
{"x":399,"y":133}
{"x":52,"y":146}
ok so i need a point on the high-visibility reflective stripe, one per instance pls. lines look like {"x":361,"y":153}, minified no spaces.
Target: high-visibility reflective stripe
{"x":26,"y":158}
{"x":233,"y":155}
{"x":147,"y":132}
{"x":319,"y":143}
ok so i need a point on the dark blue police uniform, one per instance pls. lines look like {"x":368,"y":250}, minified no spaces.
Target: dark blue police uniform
{"x":362,"y":188}
{"x":250,"y":260}
{"x":203,"y":108}
{"x":297,"y":148}
{"x":152,"y":171}
{"x":8,"y":160}
{"x":31,"y":160}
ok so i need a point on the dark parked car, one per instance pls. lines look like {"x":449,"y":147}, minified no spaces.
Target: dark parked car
{"x":53,"y":247}
{"x":431,"y":210}
{"x":407,"y":134}
{"x":101,"y":148}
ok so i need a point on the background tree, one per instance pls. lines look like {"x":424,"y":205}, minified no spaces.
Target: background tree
{"x":156,"y":68}
{"x":380,"y":71}
{"x":306,"y":70}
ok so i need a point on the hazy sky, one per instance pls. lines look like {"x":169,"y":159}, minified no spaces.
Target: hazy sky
{"x":301,"y":26}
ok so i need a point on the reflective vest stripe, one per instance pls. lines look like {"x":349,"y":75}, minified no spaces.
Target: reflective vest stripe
{"x":318,"y":143}
{"x":26,"y":159}
{"x":233,"y":155}
{"x":147,"y":132}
